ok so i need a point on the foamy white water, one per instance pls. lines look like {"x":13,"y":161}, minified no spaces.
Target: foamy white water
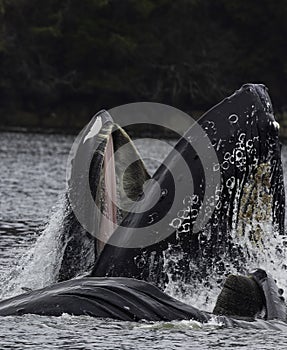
{"x":39,"y":266}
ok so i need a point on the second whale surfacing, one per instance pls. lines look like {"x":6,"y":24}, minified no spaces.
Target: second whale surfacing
{"x":242,"y":300}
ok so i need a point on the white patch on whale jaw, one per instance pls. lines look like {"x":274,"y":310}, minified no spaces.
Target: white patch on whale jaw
{"x":276,"y":125}
{"x":96,"y":127}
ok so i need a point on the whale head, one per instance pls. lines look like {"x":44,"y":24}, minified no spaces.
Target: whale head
{"x":215,"y":222}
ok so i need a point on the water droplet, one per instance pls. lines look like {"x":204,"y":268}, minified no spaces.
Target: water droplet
{"x":227,"y":156}
{"x":187,"y":200}
{"x":152,"y":217}
{"x":140,"y":261}
{"x":230,"y":183}
{"x":164,"y":193}
{"x":238,"y":155}
{"x":175,"y":223}
{"x":195,"y":199}
{"x":216,"y":167}
{"x":194,"y":213}
{"x":233,"y":118}
{"x":242,"y":137}
{"x":225,"y":165}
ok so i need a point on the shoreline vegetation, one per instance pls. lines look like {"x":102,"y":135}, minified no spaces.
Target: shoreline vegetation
{"x":64,"y":60}
{"x":31,"y":123}
{"x":63,"y":124}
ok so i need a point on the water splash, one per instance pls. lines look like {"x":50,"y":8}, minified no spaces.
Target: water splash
{"x":200,"y":293}
{"x":39,"y":266}
{"x":254,"y":242}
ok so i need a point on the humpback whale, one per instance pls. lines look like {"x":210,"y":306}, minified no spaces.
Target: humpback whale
{"x":195,"y":222}
{"x":128,"y":299}
{"x":125,"y":279}
{"x":244,"y":134}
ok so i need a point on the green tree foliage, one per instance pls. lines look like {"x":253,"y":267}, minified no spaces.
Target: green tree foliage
{"x":73,"y":57}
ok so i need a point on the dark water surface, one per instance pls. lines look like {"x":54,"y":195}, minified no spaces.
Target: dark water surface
{"x":32,"y":179}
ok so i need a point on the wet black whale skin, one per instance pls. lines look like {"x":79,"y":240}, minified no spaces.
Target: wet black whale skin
{"x":252,"y":105}
{"x":128,"y":299}
{"x":116,"y":298}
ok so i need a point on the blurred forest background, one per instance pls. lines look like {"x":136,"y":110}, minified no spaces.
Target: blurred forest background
{"x":63,"y":60}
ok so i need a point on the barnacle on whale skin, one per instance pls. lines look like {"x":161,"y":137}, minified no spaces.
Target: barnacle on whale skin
{"x":255,"y":207}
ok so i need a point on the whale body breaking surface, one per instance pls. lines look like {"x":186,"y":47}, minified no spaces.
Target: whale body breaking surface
{"x":126,"y":282}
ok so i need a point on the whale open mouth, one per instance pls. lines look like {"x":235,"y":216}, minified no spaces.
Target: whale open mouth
{"x":109,"y":199}
{"x":190,"y":232}
{"x":106,"y":176}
